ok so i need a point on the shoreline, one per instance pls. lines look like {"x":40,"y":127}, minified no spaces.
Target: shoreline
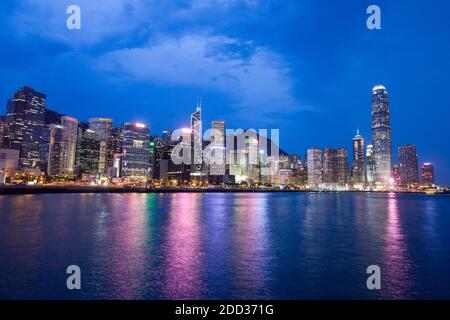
{"x":22,"y":190}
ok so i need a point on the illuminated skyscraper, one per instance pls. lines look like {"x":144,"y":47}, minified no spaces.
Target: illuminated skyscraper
{"x":70,"y":135}
{"x":2,"y":129}
{"x":370,"y":164}
{"x":103,"y":126}
{"x":315,"y":177}
{"x":330,"y":167}
{"x":56,"y":150}
{"x":381,"y":135}
{"x":217,"y":170}
{"x":197,"y":172}
{"x":427,"y":173}
{"x":136,"y":147}
{"x":343,"y":167}
{"x":88,"y":150}
{"x":408,"y":164}
{"x":358,"y":161}
{"x":24,"y":125}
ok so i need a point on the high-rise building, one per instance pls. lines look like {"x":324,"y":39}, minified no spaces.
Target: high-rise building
{"x":358,"y":161}
{"x":408,"y":164}
{"x":427,"y":174}
{"x":343,"y":167}
{"x":56,"y":150}
{"x":370,"y":165}
{"x":103,"y":126}
{"x":330,"y":167}
{"x":70,"y":135}
{"x":381,"y":135}
{"x":88,"y":152}
{"x":314,"y":156}
{"x":24,"y":125}
{"x":136,"y":146}
{"x":2,"y":129}
{"x":217,"y":170}
{"x":197,"y":172}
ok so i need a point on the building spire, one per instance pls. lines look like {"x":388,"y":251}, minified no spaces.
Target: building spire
{"x":199,"y":103}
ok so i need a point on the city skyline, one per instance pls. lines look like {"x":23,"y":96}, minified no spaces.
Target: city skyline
{"x":265,"y":63}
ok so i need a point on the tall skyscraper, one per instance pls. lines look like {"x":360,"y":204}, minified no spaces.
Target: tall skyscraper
{"x":381,"y":135}
{"x":408,"y":164}
{"x":2,"y":129}
{"x":88,"y":152}
{"x":370,"y":165}
{"x":427,"y":174}
{"x":314,"y":156}
{"x":217,"y":170}
{"x":24,"y":125}
{"x":56,"y":150}
{"x":358,"y":161}
{"x":330,"y":167}
{"x":136,"y":146}
{"x":343,"y":167}
{"x":197,"y":144}
{"x":70,"y":135}
{"x":103,"y":126}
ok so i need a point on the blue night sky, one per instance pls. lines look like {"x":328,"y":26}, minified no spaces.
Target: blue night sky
{"x":305,"y":67}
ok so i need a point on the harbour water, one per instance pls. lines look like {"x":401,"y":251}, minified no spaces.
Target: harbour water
{"x":225,"y":245}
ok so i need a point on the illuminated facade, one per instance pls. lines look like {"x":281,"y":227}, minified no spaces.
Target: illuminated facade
{"x":24,"y":125}
{"x":88,"y":152}
{"x":408,"y":164}
{"x":370,"y":165}
{"x":358,"y":161}
{"x":2,"y":129}
{"x":217,"y":170}
{"x":56,"y":151}
{"x":103,"y":127}
{"x":136,"y":147}
{"x":197,"y":168}
{"x":314,"y":158}
{"x":427,"y":174}
{"x":381,"y":135}
{"x":70,"y":136}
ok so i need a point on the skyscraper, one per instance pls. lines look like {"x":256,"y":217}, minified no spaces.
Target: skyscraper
{"x":102,"y":126}
{"x":197,"y":144}
{"x":314,"y":156}
{"x":2,"y":129}
{"x":56,"y":150}
{"x":330,"y":167}
{"x":88,"y":152}
{"x":408,"y":164}
{"x":370,"y":165}
{"x":343,"y":167}
{"x":24,"y":125}
{"x":381,"y":135}
{"x":358,"y":161}
{"x":136,"y":146}
{"x":427,"y":173}
{"x":70,"y":135}
{"x":217,"y":170}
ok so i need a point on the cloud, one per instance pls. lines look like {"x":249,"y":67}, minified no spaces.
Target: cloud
{"x":254,"y":77}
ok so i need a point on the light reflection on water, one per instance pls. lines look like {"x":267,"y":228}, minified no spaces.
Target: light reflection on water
{"x":224,"y":245}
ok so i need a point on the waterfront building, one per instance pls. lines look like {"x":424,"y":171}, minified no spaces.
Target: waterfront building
{"x":9,"y":161}
{"x":70,"y":136}
{"x":408,"y":164}
{"x":2,"y":129}
{"x":102,"y":126}
{"x":358,"y":171}
{"x":314,"y":156}
{"x":197,"y":168}
{"x":217,"y":170}
{"x":24,"y":126}
{"x":330,"y":168}
{"x":56,"y":150}
{"x":88,"y":152}
{"x":427,"y":174}
{"x":136,"y":146}
{"x":370,"y":165}
{"x":381,"y":136}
